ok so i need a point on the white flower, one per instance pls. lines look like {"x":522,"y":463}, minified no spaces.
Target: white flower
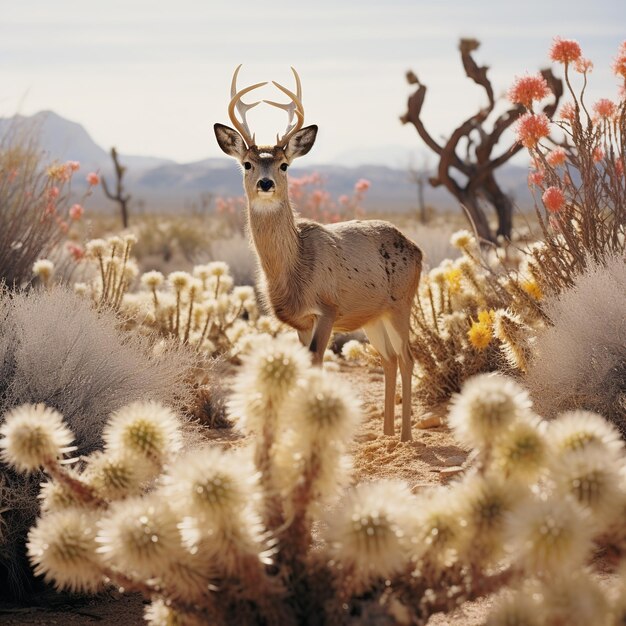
{"x":486,"y":406}
{"x":212,"y":484}
{"x":548,"y":535}
{"x":114,"y":476}
{"x":353,"y":350}
{"x":323,"y":408}
{"x":141,"y":535}
{"x":592,"y":478}
{"x":521,"y":450}
{"x":243,"y":293}
{"x":268,"y":374}
{"x":179,"y":280}
{"x":462,"y":239}
{"x":32,"y":435}
{"x":62,"y":547}
{"x":368,"y":531}
{"x":146,"y":428}
{"x":152,"y":280}
{"x":217,"y":268}
{"x":43,"y":268}
{"x":578,"y":430}
{"x":95,"y":248}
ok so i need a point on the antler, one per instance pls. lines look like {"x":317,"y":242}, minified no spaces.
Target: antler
{"x":293,"y":108}
{"x":242,"y":107}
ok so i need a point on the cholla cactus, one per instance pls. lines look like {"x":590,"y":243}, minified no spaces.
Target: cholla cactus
{"x":226,"y":536}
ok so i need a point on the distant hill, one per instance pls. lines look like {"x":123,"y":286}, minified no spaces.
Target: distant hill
{"x":164,"y":185}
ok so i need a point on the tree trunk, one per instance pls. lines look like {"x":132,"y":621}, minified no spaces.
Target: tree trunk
{"x":502,"y":204}
{"x":476,"y":215}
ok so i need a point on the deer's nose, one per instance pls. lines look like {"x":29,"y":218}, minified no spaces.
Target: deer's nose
{"x":265,"y":184}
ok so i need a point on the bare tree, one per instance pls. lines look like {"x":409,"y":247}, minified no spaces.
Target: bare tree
{"x":419,"y":175}
{"x":477,"y":165}
{"x":120,"y":196}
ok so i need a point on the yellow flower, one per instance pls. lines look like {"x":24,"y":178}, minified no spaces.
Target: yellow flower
{"x":453,"y":278}
{"x":479,"y":335}
{"x":486,"y":317}
{"x":532,"y":289}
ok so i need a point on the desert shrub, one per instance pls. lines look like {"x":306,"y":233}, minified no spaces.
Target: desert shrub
{"x":581,"y":357}
{"x":36,"y":209}
{"x":313,"y":201}
{"x":472,"y":315}
{"x":226,"y":536}
{"x":55,"y":349}
{"x":237,"y":253}
{"x":203,"y":309}
{"x":187,"y":238}
{"x":580,"y":178}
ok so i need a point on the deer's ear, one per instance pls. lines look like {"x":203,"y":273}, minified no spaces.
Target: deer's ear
{"x":230,"y":141}
{"x":301,"y":142}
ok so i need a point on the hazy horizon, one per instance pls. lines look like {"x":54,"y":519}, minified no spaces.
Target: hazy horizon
{"x":152,"y":78}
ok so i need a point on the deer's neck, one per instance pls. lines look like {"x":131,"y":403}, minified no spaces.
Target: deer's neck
{"x":276,"y":239}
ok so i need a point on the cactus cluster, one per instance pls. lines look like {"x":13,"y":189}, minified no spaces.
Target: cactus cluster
{"x":271,"y":531}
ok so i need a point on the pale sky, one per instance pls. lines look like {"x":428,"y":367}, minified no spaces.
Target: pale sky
{"x":151,"y":77}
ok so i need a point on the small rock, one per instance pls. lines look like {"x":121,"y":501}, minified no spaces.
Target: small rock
{"x":453,"y":461}
{"x":448,"y":472}
{"x":428,"y":420}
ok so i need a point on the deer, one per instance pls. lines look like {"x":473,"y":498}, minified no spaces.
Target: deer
{"x":320,"y":278}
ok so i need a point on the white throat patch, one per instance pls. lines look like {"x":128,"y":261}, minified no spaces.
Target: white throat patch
{"x":265,"y":205}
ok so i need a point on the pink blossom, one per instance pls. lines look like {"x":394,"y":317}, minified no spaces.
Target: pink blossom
{"x":565,"y":50}
{"x":536,"y":177}
{"x":344,"y":200}
{"x":531,"y":128}
{"x":598,"y":154}
{"x":619,"y":66}
{"x":93,"y":178}
{"x":553,"y":199}
{"x":527,"y":89}
{"x":362,"y":185}
{"x":50,"y":208}
{"x":556,"y":157}
{"x":604,"y":108}
{"x":76,"y":211}
{"x":568,"y":112}
{"x":583,"y":66}
{"x":53,"y":192}
{"x":76,"y":251}
{"x":74,"y":166}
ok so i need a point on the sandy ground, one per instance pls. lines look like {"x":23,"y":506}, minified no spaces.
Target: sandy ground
{"x":427,"y":460}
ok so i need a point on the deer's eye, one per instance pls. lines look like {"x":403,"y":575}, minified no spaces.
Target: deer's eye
{"x":284,"y":167}
{"x":247,"y":165}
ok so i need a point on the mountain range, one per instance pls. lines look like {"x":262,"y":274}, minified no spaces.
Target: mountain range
{"x":162,"y":185}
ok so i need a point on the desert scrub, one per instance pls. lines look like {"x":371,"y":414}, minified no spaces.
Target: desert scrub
{"x":234,"y":528}
{"x":581,"y":357}
{"x":202,"y":308}
{"x":56,"y":350}
{"x":578,"y":178}
{"x":472,"y":315}
{"x":37,"y":207}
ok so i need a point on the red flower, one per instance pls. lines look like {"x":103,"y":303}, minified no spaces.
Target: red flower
{"x":553,"y":199}
{"x":565,"y":50}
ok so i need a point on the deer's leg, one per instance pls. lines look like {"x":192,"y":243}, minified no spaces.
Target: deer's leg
{"x":379,"y":338}
{"x":321,"y":336}
{"x":397,"y":327}
{"x":390,"y":368}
